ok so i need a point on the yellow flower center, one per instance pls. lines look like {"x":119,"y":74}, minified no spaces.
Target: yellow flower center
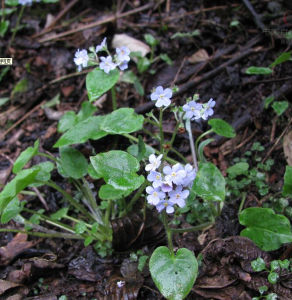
{"x":173,"y":174}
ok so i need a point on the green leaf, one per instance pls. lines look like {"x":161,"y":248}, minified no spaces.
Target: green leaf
{"x":82,"y":132}
{"x":11,"y":2}
{"x":166,"y":59}
{"x":108,"y":192}
{"x":3,"y":27}
{"x":201,"y":147}
{"x":285,"y":56}
{"x":3,"y":100}
{"x":222,"y":128}
{"x":272,"y":296}
{"x":98,"y":82}
{"x":44,"y":174}
{"x":287,"y":188}
{"x":20,"y":87}
{"x":130,"y":77}
{"x":284,"y":264}
{"x":263,"y":289}
{"x":268,"y":101}
{"x":6,"y":11}
{"x":16,"y":185}
{"x":134,"y":150}
{"x":73,"y":162}
{"x":258,"y":71}
{"x":273,"y":277}
{"x":280,"y":107}
{"x":25,"y":157}
{"x":209,"y":183}
{"x":150,"y":40}
{"x":240,"y":168}
{"x":67,"y":121}
{"x":3,"y":72}
{"x":174,"y":275}
{"x":274,"y":265}
{"x":87,"y":110}
{"x":118,"y":168}
{"x":266,"y":229}
{"x":13,"y":208}
{"x":143,"y":64}
{"x":258,"y":265}
{"x":59,"y":214}
{"x":80,"y":227}
{"x":53,"y":102}
{"x":88,"y":241}
{"x":122,"y":120}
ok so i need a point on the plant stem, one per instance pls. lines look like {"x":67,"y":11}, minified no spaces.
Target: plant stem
{"x":194,"y":156}
{"x":114,"y":98}
{"x":161,"y":134}
{"x":192,"y":228}
{"x":48,"y":156}
{"x":172,"y":137}
{"x":45,"y":235}
{"x":168,"y":232}
{"x":147,"y":120}
{"x":201,"y":136}
{"x":108,"y":213}
{"x":243,"y":198}
{"x":178,"y":154}
{"x":70,"y":199}
{"x":17,"y":25}
{"x":130,"y":137}
{"x":135,"y":198}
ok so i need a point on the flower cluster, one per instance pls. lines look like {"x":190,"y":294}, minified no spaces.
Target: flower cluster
{"x":195,"y":111}
{"x":171,"y":187}
{"x":107,"y":63}
{"x":161,"y":96}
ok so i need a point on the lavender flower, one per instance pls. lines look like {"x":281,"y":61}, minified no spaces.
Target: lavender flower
{"x":156,"y":178}
{"x":154,"y":195}
{"x":25,"y":2}
{"x":190,"y":176}
{"x":81,"y":59}
{"x":120,"y":283}
{"x":167,"y":205}
{"x":107,"y":64}
{"x":192,"y":110}
{"x":178,"y":196}
{"x":176,"y":174}
{"x":102,"y":46}
{"x":208,"y":109}
{"x":123,"y":54}
{"x":162,"y":97}
{"x":154,"y":162}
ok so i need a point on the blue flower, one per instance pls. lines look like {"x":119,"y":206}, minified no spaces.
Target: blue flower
{"x":122,"y":57}
{"x":208,"y":109}
{"x":167,"y":205}
{"x":81,"y":59}
{"x":193,"y":110}
{"x":25,"y":2}
{"x":107,"y":64}
{"x":154,"y":162}
{"x":156,"y":178}
{"x":101,"y":46}
{"x":190,"y":176}
{"x":176,"y":174}
{"x":162,"y":97}
{"x":154,"y":195}
{"x":178,"y":196}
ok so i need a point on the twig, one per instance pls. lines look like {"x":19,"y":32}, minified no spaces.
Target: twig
{"x":97,"y":23}
{"x":247,"y":50}
{"x":256,"y":17}
{"x":56,"y":19}
{"x":41,"y":197}
{"x":277,"y":141}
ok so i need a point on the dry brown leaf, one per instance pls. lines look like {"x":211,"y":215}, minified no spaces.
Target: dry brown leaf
{"x":7,"y":285}
{"x":199,"y":56}
{"x":287,"y":146}
{"x":133,"y":44}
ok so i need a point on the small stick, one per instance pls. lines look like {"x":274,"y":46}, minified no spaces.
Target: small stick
{"x":256,"y":17}
{"x":277,"y":141}
{"x":97,"y":23}
{"x":41,"y":198}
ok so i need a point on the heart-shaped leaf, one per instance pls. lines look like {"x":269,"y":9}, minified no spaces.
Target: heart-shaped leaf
{"x":73,"y":163}
{"x":82,"y":132}
{"x":222,"y":128}
{"x":209,"y":183}
{"x":174,"y":275}
{"x":98,"y":82}
{"x":268,"y":230}
{"x":123,"y":120}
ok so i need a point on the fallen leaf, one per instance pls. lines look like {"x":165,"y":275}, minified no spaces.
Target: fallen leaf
{"x":133,"y":44}
{"x":287,"y":146}
{"x":199,"y":56}
{"x":7,"y":285}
